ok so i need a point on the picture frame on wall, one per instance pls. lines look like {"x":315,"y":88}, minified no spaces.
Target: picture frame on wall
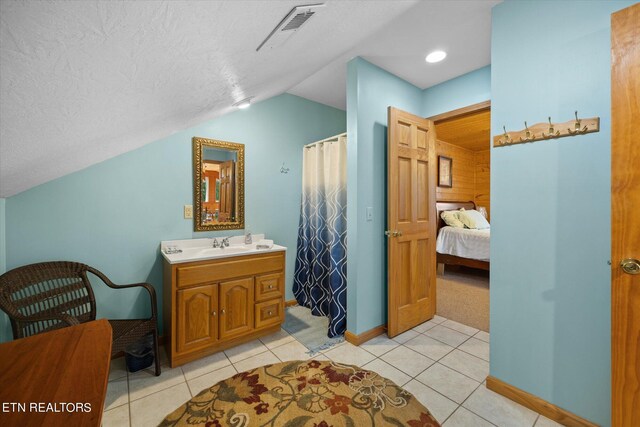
{"x":445,"y":175}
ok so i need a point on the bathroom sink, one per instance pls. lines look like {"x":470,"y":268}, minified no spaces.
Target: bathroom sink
{"x":230,"y":250}
{"x":190,"y":250}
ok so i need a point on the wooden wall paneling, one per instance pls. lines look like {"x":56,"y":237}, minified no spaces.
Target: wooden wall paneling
{"x":463,"y":171}
{"x":482,"y":197}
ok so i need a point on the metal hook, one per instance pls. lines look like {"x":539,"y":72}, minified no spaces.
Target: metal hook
{"x":552,"y":132}
{"x":577,"y":126}
{"x":283,"y":169}
{"x":527,"y":135}
{"x":507,"y":138}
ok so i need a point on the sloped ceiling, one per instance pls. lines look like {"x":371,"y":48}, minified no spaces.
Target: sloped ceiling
{"x":84,"y":81}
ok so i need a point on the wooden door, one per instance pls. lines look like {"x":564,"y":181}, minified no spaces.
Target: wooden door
{"x":197,"y":318}
{"x":227,"y":199}
{"x":236,"y":307}
{"x":625,"y":220}
{"x":411,"y":221}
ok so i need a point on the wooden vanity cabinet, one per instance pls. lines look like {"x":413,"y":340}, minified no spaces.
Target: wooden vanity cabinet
{"x":212,"y":305}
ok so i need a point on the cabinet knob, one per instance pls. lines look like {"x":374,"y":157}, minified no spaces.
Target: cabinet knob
{"x":222,"y":311}
{"x":269,"y":313}
{"x":270,"y":286}
{"x":213,"y":313}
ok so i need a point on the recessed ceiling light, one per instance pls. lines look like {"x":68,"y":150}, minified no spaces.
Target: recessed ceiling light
{"x":436,"y":56}
{"x":245,"y":103}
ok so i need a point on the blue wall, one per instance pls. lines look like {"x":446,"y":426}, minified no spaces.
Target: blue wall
{"x":370,"y":90}
{"x":465,"y":90}
{"x":113,"y":215}
{"x":550,"y":207}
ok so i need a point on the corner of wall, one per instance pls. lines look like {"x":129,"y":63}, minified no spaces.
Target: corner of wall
{"x":467,"y":89}
{"x":370,"y":91}
{"x":352,"y":192}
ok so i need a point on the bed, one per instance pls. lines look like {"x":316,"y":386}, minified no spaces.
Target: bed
{"x":458,"y":246}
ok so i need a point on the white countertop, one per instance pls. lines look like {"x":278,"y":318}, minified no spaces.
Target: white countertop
{"x":202,"y":249}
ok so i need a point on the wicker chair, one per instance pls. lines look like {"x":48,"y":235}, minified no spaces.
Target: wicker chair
{"x":52,"y":295}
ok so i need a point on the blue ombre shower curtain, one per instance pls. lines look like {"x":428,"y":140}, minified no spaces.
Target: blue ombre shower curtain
{"x":320,"y":280}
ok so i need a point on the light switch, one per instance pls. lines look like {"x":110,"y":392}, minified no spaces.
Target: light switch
{"x":369,"y":214}
{"x":188,"y":211}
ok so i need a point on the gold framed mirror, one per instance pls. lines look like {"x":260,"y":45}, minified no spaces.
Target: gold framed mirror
{"x":218,"y":184}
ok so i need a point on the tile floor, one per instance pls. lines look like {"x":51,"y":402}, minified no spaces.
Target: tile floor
{"x":443,"y":363}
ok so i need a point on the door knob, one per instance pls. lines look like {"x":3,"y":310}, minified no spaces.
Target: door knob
{"x":394,"y":233}
{"x":387,"y":233}
{"x":630,"y":266}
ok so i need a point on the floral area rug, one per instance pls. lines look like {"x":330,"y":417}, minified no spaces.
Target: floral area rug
{"x":303,"y":394}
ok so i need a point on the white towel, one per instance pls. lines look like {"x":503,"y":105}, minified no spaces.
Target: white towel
{"x":264,"y":244}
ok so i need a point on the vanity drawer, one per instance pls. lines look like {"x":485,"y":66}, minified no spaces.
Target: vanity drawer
{"x":224,"y":269}
{"x":269,"y":313}
{"x":269,"y":286}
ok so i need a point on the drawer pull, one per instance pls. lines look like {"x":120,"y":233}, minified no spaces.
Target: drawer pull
{"x":213,"y":313}
{"x":269,"y":313}
{"x":270,"y":286}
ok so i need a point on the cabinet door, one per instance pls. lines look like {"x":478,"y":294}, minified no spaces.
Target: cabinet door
{"x":197,"y":318}
{"x":236,"y":307}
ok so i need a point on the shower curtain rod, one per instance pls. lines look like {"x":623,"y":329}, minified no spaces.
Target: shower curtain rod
{"x":331,"y":138}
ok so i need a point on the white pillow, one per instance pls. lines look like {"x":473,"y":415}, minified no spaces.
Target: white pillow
{"x":451,"y":218}
{"x":473,"y":219}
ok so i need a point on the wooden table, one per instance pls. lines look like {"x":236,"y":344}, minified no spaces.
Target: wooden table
{"x":56,"y":378}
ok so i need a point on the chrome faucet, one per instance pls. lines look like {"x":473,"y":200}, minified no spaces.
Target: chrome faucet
{"x":225,"y":243}
{"x":247,"y":238}
{"x":215,"y":243}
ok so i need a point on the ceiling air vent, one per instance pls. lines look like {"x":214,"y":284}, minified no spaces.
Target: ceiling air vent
{"x":291,"y":23}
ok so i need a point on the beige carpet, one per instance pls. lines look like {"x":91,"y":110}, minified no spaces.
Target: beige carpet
{"x":463,"y":296}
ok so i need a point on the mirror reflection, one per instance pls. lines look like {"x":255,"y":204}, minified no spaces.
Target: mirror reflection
{"x":219,"y":193}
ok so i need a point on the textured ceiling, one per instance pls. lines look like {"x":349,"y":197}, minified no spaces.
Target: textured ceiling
{"x":462,"y":28}
{"x":84,"y":81}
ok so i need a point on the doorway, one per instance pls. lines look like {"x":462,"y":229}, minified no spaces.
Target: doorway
{"x":462,"y":283}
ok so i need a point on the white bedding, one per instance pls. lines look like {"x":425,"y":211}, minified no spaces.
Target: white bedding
{"x":463,"y":242}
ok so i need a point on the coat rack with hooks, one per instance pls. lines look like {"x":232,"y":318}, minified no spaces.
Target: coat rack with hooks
{"x":542,"y":131}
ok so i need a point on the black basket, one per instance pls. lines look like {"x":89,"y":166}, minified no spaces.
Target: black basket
{"x":140,"y":354}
